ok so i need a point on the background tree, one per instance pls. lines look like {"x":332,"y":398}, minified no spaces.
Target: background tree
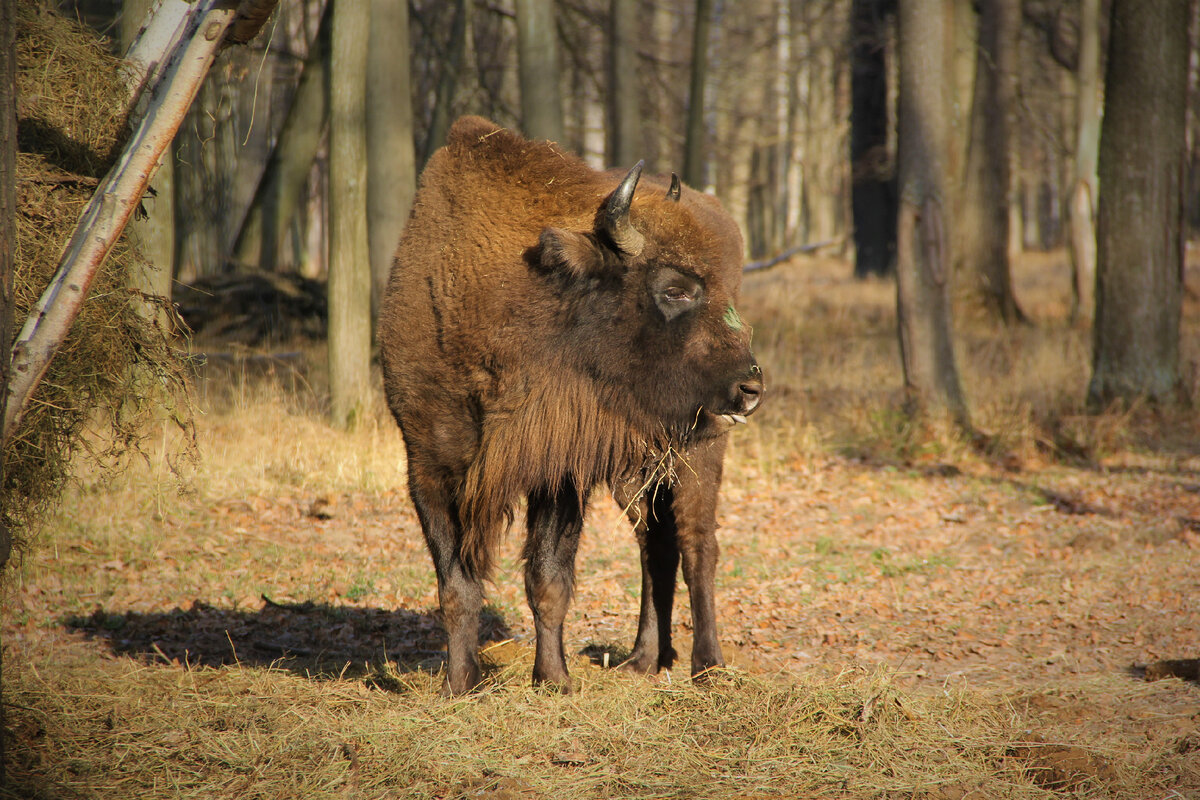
{"x":155,"y":233}
{"x":924,"y":220}
{"x":282,"y":189}
{"x":537,"y":56}
{"x":448,"y":79}
{"x":349,"y":256}
{"x":982,"y":210}
{"x":1082,"y":240}
{"x":391,"y":161}
{"x":624,"y":114}
{"x":1139,"y":228}
{"x":873,"y":187}
{"x":695,"y":139}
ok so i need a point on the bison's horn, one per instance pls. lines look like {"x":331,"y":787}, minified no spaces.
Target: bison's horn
{"x":673,"y":192}
{"x":616,"y":215}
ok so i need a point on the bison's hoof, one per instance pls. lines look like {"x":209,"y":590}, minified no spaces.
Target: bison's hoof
{"x":460,"y":682}
{"x":554,"y":686}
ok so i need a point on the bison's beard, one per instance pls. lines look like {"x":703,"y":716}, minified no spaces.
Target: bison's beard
{"x":566,"y":431}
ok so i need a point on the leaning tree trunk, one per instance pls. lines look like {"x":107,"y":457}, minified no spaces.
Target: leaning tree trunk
{"x":537,"y":57}
{"x":983,"y":202}
{"x":349,"y":254}
{"x":696,"y":137}
{"x":931,"y":380}
{"x":207,"y":25}
{"x":391,"y":161}
{"x":1082,"y":241}
{"x":1140,"y":221}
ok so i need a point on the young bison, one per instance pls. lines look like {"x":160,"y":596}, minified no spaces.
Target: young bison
{"x":548,"y":328}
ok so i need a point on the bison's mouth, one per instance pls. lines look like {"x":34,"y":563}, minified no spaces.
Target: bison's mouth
{"x":734,"y":419}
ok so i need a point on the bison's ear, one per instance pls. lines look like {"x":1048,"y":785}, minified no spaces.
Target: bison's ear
{"x":570,"y":253}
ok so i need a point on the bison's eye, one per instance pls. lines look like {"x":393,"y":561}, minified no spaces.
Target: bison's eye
{"x":675,"y":293}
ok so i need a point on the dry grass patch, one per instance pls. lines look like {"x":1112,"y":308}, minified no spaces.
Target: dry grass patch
{"x":84,"y":727}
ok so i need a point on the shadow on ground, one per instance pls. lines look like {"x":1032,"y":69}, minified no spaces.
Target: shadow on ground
{"x":316,"y":640}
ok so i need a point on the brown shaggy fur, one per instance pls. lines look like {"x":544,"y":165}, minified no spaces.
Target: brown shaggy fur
{"x":480,"y":370}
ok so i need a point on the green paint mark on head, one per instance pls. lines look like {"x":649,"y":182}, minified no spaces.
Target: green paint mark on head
{"x":732,"y":319}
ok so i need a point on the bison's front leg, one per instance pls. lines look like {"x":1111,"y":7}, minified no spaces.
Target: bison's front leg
{"x":555,"y":520}
{"x":460,"y":593}
{"x":654,"y":523}
{"x":695,"y":506}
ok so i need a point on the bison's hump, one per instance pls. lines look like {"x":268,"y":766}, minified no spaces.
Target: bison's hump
{"x":468,"y":131}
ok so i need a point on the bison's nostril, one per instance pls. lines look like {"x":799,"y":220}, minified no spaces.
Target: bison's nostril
{"x":751,"y":394}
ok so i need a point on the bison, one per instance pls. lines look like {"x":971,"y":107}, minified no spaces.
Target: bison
{"x":548,"y":328}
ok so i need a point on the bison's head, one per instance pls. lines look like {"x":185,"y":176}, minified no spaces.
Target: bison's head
{"x":648,"y":304}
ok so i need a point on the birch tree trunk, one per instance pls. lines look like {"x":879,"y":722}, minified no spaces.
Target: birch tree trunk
{"x":349,"y":252}
{"x":931,"y":380}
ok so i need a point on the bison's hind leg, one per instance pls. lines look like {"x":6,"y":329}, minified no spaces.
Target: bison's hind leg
{"x":460,"y":591}
{"x":555,"y":520}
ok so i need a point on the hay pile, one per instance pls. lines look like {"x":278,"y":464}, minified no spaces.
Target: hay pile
{"x":118,"y":368}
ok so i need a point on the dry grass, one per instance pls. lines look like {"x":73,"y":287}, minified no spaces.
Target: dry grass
{"x":125,"y":729}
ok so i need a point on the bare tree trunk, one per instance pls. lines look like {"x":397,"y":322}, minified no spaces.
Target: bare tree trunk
{"x":824,"y":162}
{"x":931,"y":380}
{"x":624,"y":127}
{"x":155,"y":234}
{"x":282,"y":186}
{"x":440,"y":122}
{"x":349,"y":252}
{"x":694,"y":149}
{"x":983,"y":206}
{"x":391,"y":160}
{"x":537,"y":52}
{"x":873,"y":192}
{"x":1082,"y":211}
{"x":1139,"y":278}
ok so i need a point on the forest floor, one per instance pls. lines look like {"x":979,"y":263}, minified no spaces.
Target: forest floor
{"x":1006,"y":601}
